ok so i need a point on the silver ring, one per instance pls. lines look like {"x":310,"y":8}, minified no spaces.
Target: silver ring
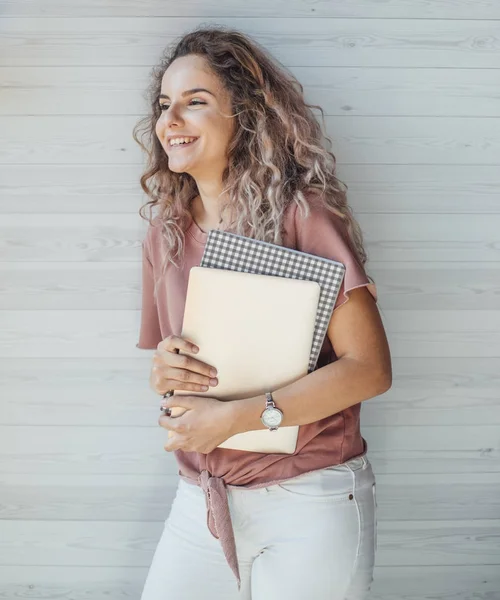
{"x":167,"y":411}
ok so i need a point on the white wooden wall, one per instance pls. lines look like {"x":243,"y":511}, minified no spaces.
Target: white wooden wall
{"x":411,"y":90}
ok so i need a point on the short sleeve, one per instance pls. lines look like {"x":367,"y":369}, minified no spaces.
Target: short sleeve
{"x":150,"y":333}
{"x":323,"y":233}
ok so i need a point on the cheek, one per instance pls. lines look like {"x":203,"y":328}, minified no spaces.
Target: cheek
{"x":159,"y":128}
{"x":218,"y":134}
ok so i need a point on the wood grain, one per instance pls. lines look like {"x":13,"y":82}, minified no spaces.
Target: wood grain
{"x":361,"y":9}
{"x":90,"y":140}
{"x":350,"y":42}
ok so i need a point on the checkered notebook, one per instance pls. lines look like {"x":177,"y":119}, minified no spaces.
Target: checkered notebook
{"x":226,"y":250}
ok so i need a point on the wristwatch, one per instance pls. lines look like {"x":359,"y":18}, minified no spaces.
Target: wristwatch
{"x":272,"y":416}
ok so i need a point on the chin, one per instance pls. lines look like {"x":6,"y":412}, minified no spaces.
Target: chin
{"x":179,"y":169}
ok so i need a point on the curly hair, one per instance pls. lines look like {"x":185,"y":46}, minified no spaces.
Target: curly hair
{"x":276,"y":155}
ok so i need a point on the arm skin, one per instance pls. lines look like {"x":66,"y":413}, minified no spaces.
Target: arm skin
{"x":363,"y":370}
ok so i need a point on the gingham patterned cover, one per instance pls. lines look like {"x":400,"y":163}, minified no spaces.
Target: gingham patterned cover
{"x":224,"y":250}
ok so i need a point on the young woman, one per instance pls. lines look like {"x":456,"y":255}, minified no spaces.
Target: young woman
{"x":233,"y":145}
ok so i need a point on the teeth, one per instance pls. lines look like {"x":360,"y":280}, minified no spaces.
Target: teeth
{"x":178,"y":141}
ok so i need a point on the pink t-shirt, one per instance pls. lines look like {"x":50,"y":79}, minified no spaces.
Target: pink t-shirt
{"x":330,"y":441}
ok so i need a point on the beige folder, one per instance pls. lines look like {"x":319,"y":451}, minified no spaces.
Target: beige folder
{"x":257,"y":331}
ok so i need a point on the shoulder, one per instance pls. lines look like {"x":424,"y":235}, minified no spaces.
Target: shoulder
{"x":315,"y":228}
{"x":324,"y":233}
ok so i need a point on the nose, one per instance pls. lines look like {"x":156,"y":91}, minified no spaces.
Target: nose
{"x":171,"y":117}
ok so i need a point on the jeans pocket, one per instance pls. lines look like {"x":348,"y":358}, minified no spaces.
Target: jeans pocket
{"x":320,"y":486}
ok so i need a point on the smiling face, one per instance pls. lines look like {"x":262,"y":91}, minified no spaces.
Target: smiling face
{"x":195,"y":106}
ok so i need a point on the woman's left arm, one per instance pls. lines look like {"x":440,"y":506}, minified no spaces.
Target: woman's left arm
{"x":363,"y":370}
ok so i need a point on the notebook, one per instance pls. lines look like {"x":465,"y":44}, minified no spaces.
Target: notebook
{"x":257,"y":330}
{"x":224,"y":250}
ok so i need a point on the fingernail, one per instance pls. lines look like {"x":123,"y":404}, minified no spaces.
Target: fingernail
{"x":213,"y":372}
{"x":214,"y":382}
{"x":195,"y":349}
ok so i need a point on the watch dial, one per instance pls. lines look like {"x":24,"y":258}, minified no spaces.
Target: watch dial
{"x":273,"y":417}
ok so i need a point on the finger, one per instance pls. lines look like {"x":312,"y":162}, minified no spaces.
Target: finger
{"x":168,"y":423}
{"x":183,"y":361}
{"x":187,"y":376}
{"x":161,"y":384}
{"x":173,"y":443}
{"x":172,"y":384}
{"x":181,"y":401}
{"x":175,"y":343}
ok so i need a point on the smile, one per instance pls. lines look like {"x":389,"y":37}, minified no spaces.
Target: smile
{"x":183,"y":144}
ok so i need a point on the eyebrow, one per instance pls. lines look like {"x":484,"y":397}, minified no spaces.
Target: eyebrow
{"x":189,"y":92}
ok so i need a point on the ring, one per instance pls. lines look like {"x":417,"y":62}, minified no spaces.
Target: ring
{"x":167,"y":411}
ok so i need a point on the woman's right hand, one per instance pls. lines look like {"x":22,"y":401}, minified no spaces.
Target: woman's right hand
{"x":174,"y":371}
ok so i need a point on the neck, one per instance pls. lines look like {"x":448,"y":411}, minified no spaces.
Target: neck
{"x":206,"y":207}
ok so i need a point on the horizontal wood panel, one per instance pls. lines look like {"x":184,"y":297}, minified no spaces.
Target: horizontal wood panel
{"x":119,"y":450}
{"x":107,"y":334}
{"x":116,"y":392}
{"x":89,"y":140}
{"x":362,"y":9}
{"x":293,"y":41}
{"x":117,"y":237}
{"x":338,"y":90}
{"x":117,"y":285}
{"x":372,"y":189}
{"x":111,"y":497}
{"x":113,"y":543}
{"x":480,"y":582}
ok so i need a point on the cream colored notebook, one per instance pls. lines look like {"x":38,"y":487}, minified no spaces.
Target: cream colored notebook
{"x":257,"y":331}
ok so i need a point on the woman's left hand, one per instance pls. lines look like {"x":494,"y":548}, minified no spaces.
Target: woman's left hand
{"x":206,"y":423}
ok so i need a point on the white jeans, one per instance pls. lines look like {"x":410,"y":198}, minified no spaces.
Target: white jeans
{"x":313,"y":536}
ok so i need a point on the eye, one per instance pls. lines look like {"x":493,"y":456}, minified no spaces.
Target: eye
{"x":165,"y":106}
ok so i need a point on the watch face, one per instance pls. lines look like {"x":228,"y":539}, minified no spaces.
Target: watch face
{"x":272,"y":417}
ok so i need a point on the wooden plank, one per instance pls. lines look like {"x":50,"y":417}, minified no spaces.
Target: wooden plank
{"x":125,"y":450}
{"x":423,"y":188}
{"x":443,"y":333}
{"x":103,"y":139}
{"x":112,"y":497}
{"x":388,"y":238}
{"x":480,"y":582}
{"x":107,"y":334}
{"x":362,"y":9}
{"x":117,"y":285}
{"x":113,"y":543}
{"x":420,"y":238}
{"x":110,"y":391}
{"x":108,"y":41}
{"x":66,"y":189}
{"x":338,"y":90}
{"x":97,"y":189}
{"x":437,"y":286}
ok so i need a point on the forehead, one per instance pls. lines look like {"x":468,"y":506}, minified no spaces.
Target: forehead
{"x":187,"y":72}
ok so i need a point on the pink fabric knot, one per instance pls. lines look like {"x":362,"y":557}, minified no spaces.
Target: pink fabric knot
{"x":219,"y":518}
